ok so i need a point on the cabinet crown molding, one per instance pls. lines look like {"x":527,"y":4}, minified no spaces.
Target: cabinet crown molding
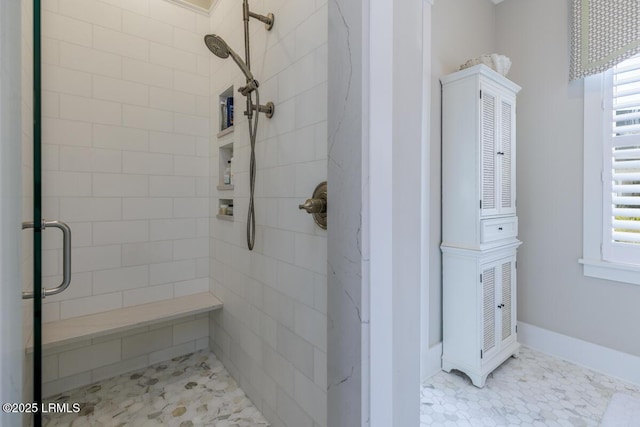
{"x":482,"y":70}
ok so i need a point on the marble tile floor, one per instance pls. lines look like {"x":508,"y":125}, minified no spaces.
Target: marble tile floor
{"x":188,"y":391}
{"x":533,"y":390}
{"x":195,"y":390}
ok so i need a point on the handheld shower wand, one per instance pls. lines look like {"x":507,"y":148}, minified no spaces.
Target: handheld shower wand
{"x":222,"y":50}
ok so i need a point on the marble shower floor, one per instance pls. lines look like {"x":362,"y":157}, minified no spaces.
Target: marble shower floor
{"x":533,"y":390}
{"x":191,"y":390}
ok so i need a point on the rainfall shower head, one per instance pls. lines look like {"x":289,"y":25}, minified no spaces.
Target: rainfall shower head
{"x":221,"y":49}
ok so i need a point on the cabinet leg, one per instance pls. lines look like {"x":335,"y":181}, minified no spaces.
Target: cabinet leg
{"x":478,"y":380}
{"x":516,"y":354}
{"x":446,"y":366}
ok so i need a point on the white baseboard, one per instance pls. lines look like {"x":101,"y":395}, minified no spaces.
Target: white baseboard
{"x":431,"y":362}
{"x":623,"y":366}
{"x":617,"y":364}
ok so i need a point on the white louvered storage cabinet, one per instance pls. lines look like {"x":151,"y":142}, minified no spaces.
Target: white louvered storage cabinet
{"x":479,"y":223}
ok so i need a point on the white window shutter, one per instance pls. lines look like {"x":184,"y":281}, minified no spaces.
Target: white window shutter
{"x":621,"y":240}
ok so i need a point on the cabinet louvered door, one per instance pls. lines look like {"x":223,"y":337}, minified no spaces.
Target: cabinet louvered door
{"x":507,"y":297}
{"x":489,"y":307}
{"x":498,"y":306}
{"x":489,"y":203}
{"x":506,"y":157}
{"x":497,"y":154}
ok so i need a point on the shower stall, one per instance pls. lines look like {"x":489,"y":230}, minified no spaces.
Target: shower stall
{"x":187,"y":251}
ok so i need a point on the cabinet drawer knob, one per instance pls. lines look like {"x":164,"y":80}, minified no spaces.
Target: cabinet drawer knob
{"x":499,"y":228}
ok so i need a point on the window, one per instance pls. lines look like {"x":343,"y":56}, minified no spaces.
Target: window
{"x":612,"y":173}
{"x":621,"y":166}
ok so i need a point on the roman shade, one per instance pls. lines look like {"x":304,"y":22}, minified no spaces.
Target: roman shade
{"x":604,"y":33}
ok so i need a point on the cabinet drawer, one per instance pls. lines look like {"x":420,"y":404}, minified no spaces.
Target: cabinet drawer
{"x":497,"y":229}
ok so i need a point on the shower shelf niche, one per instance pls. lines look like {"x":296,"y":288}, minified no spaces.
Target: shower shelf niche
{"x":225,"y":132}
{"x":225,"y":154}
{"x":225,"y":209}
{"x":226,"y":112}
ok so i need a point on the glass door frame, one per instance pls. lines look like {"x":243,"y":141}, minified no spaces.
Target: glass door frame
{"x":37,"y":213}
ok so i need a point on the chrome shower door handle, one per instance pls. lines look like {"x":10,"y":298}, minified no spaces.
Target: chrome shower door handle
{"x":66,"y":257}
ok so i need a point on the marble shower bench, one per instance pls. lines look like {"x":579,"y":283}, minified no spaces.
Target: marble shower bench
{"x":89,"y":348}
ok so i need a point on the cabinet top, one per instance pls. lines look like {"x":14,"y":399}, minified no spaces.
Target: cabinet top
{"x":480,"y":70}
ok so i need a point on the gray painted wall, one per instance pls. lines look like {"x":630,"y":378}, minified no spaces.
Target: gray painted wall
{"x":553,"y":293}
{"x":461,"y":29}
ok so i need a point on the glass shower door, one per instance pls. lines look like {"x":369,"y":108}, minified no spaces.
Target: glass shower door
{"x":36,"y":223}
{"x":121,"y":155}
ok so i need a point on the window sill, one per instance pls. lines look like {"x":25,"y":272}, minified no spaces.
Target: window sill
{"x":616,"y":272}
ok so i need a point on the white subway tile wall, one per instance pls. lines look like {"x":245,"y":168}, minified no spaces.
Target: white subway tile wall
{"x":271,"y":333}
{"x":130,"y":121}
{"x":123,"y":115}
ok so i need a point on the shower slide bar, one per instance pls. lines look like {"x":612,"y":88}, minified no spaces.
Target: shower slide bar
{"x":221,"y":49}
{"x":66,"y":256}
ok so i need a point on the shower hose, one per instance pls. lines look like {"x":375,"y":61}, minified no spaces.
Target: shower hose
{"x":253,"y":129}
